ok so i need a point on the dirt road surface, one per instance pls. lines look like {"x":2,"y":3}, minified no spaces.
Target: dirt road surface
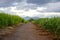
{"x":27,"y":31}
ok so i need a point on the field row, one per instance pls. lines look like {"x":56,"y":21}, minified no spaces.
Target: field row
{"x":50,"y":24}
{"x":9,"y":20}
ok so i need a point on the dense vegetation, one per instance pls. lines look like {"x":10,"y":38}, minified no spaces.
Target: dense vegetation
{"x":50,"y":24}
{"x":9,"y":20}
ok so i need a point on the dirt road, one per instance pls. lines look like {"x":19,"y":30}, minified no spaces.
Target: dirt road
{"x":26,"y":32}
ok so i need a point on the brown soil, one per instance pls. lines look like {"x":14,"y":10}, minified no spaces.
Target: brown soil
{"x":28,"y":31}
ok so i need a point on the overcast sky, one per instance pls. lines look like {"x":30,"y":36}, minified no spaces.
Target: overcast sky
{"x":31,"y":8}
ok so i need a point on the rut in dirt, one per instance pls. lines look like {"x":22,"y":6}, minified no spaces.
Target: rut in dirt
{"x":27,"y":31}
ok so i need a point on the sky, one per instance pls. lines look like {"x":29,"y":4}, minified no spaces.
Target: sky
{"x":31,"y":8}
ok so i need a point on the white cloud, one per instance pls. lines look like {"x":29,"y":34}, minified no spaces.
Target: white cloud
{"x":50,"y":14}
{"x":41,"y":9}
{"x":30,"y":12}
{"x":47,"y":14}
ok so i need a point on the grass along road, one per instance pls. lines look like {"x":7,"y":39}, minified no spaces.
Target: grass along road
{"x":27,"y":31}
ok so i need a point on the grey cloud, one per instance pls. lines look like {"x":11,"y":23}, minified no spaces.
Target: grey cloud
{"x":27,"y":7}
{"x":53,"y":7}
{"x":40,"y":2}
{"x":7,"y":3}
